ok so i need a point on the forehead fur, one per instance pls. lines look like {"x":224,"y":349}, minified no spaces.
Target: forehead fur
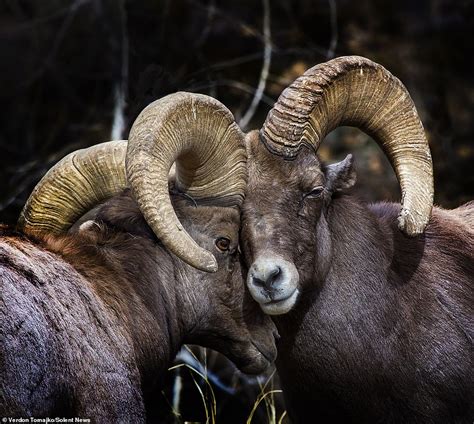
{"x":303,"y":171}
{"x":212,"y":220}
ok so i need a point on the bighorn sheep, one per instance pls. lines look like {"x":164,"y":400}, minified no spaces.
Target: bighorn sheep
{"x":376,"y":325}
{"x":90,"y":320}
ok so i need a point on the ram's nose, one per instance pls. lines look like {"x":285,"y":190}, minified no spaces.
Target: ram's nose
{"x":273,"y":283}
{"x":266,"y":274}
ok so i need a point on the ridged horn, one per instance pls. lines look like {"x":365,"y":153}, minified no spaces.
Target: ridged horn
{"x":73,"y":186}
{"x":355,"y":91}
{"x":201,"y":135}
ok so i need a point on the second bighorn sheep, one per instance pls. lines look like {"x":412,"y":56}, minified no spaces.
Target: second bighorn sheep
{"x":89,"y":321}
{"x":376,"y":326}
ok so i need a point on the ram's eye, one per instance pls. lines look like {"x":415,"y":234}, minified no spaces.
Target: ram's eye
{"x":315,"y":192}
{"x":223,"y":244}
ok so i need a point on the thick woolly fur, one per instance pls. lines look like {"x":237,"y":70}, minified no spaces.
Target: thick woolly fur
{"x":383,"y":327}
{"x":90,"y":321}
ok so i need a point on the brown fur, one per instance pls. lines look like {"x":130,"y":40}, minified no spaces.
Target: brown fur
{"x":90,"y":321}
{"x":383,"y":329}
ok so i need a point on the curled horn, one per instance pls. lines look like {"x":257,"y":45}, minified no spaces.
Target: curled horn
{"x":76,"y":184}
{"x":200,"y":134}
{"x":355,"y":91}
{"x":193,"y":130}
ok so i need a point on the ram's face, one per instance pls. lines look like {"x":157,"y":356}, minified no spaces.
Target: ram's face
{"x":224,"y":315}
{"x":282,"y":207}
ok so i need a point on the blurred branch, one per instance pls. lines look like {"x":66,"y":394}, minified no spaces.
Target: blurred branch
{"x":19,"y":190}
{"x":267,"y":55}
{"x":121,"y":86}
{"x":32,"y":172}
{"x":243,"y":26}
{"x":334,"y":31}
{"x":30,"y":25}
{"x":241,"y":86}
{"x":298,"y":52}
{"x":211,"y":11}
{"x":228,"y":63}
{"x":71,"y":13}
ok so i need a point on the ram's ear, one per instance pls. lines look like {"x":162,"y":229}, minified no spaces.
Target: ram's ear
{"x":341,"y":175}
{"x":89,"y":229}
{"x":88,"y":216}
{"x":89,"y":225}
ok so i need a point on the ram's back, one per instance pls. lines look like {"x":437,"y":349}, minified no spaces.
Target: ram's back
{"x":61,"y":345}
{"x":465,"y":213}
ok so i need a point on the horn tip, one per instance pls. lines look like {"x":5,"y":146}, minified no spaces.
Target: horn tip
{"x":209,"y":264}
{"x":411,"y":225}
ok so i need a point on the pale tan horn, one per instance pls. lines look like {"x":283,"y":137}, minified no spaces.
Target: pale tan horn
{"x":76,"y":184}
{"x":355,"y":91}
{"x":200,"y":134}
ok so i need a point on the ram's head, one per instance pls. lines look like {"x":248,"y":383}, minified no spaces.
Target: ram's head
{"x":199,"y":136}
{"x":286,"y":236}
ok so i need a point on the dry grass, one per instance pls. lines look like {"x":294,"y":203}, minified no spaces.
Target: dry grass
{"x":209,"y":372}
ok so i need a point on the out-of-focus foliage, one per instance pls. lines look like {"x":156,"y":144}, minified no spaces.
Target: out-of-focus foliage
{"x":204,"y":386}
{"x":69,"y":69}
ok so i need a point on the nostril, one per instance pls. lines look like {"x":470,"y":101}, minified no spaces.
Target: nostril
{"x":258,"y":282}
{"x":267,"y":279}
{"x":274,"y":275}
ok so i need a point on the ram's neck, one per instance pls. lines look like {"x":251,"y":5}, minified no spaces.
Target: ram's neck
{"x":134,"y":279}
{"x":327,"y":335}
{"x":360,"y":240}
{"x":151,"y":303}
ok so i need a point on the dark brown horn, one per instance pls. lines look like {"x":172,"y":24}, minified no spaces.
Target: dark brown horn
{"x":355,"y":91}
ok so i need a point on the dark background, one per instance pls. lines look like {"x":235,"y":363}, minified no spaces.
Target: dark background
{"x":68,"y":68}
{"x":77,"y":73}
